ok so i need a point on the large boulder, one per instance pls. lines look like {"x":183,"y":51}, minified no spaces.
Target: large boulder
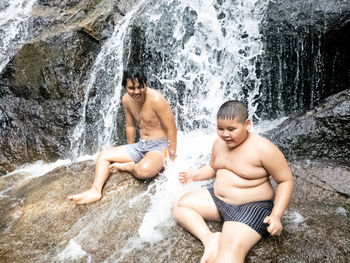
{"x":42,"y":87}
{"x":321,"y":133}
{"x":40,"y":94}
{"x":40,"y":225}
{"x":306,"y":56}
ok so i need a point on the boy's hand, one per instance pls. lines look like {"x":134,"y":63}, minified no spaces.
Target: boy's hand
{"x":172,"y":155}
{"x":275,"y":225}
{"x":185,"y":177}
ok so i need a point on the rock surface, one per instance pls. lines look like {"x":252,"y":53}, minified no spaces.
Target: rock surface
{"x":42,"y":87}
{"x":40,"y":225}
{"x":321,"y":133}
{"x":306,"y":58}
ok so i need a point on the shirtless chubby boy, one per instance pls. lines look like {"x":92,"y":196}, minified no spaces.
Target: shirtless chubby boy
{"x":242,"y":197}
{"x":149,"y":110}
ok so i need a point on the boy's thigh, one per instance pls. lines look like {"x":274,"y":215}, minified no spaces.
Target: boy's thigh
{"x":116,"y":154}
{"x":201,"y":202}
{"x":152,"y":161}
{"x":238,"y":234}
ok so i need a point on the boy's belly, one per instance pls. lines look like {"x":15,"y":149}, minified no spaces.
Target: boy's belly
{"x":233,"y":189}
{"x":154,"y":133}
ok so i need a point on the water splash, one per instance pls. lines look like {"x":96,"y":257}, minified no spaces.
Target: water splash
{"x":14,"y":16}
{"x":165,"y":191}
{"x":294,"y":221}
{"x":73,"y":251}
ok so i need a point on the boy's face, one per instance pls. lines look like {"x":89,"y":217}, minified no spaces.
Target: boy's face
{"x":233,"y":132}
{"x":135,"y":90}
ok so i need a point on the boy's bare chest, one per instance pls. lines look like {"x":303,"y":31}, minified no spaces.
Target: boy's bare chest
{"x":145,"y":116}
{"x":242,"y":163}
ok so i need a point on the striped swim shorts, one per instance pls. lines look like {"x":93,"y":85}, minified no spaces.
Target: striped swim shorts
{"x":251,"y":214}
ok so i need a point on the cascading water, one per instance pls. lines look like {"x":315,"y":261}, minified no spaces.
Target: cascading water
{"x":14,"y":15}
{"x":104,"y":83}
{"x":199,"y":54}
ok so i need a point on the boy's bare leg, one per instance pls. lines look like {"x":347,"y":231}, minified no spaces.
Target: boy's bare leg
{"x":235,"y":242}
{"x":116,"y":154}
{"x":191,"y":211}
{"x":148,"y":167}
{"x":122,"y":167}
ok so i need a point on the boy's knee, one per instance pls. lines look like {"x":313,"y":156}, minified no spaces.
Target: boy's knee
{"x":180,"y":203}
{"x":102,"y":155}
{"x":183,"y":201}
{"x":142,"y":171}
{"x":236,"y":247}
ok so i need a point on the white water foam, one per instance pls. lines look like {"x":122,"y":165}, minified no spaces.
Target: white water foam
{"x":293,"y":221}
{"x":193,"y":152}
{"x":13,"y":17}
{"x":38,"y":169}
{"x":72,"y":251}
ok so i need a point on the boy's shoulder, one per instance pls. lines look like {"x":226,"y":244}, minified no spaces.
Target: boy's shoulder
{"x":258,"y":138}
{"x":265,"y":147}
{"x":126,"y":99}
{"x":155,"y":96}
{"x":260,"y":141}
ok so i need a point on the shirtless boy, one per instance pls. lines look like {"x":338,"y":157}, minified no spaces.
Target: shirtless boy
{"x":242,"y":197}
{"x":149,"y":110}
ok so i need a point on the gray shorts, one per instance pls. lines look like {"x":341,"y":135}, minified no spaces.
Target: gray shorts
{"x":251,"y":214}
{"x":138,"y":150}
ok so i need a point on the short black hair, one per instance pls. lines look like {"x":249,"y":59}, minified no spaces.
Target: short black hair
{"x":134,"y":73}
{"x":233,"y":109}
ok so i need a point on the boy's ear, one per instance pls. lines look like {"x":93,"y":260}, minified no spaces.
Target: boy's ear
{"x":248,"y":124}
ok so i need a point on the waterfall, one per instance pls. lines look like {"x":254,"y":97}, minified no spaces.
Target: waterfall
{"x":14,"y":15}
{"x":197,"y":53}
{"x":104,"y":82}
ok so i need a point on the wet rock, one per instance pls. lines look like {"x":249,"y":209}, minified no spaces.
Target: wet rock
{"x":41,"y":225}
{"x":306,"y":58}
{"x":40,"y":95}
{"x":321,"y":133}
{"x":42,"y":86}
{"x":97,"y":18}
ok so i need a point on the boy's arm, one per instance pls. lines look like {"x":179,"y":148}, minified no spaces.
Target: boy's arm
{"x":204,"y":173}
{"x":276,"y":164}
{"x":167,"y":118}
{"x":130,"y":125}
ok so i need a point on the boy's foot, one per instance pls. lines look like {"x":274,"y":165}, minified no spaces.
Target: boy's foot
{"x":86,"y":197}
{"x":211,"y":248}
{"x":124,"y":167}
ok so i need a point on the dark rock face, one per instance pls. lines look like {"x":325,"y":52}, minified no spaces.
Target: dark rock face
{"x":40,"y":225}
{"x":306,"y":57}
{"x":42,"y":86}
{"x":322,"y":133}
{"x":39,"y":99}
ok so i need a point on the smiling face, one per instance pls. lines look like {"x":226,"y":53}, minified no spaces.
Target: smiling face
{"x":233,"y":132}
{"x":136,"y":90}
